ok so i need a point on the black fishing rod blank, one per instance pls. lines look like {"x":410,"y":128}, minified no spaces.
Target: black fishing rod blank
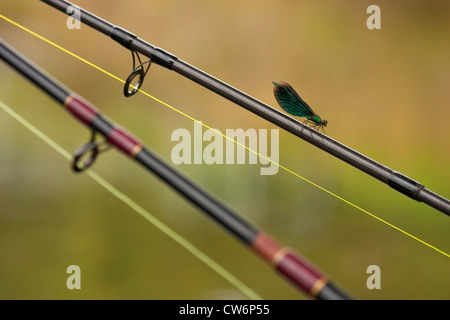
{"x":296,"y":269}
{"x":396,"y":180}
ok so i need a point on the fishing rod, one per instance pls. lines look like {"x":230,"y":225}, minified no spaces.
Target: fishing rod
{"x":394,"y":179}
{"x":295,"y":268}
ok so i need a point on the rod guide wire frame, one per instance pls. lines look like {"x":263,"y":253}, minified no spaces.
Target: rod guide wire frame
{"x":126,"y":38}
{"x":85,"y":156}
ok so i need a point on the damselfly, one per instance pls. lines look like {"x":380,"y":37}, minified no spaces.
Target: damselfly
{"x":290,"y":101}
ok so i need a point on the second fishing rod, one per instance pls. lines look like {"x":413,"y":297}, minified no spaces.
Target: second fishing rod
{"x":396,"y":180}
{"x":295,"y":268}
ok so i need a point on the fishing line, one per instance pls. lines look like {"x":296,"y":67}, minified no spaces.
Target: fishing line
{"x":137,"y":208}
{"x":226,"y":137}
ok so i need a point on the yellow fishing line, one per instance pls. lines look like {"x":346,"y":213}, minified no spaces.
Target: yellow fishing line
{"x":226,"y":137}
{"x":136,"y":207}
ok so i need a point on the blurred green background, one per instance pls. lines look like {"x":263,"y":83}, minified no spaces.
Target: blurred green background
{"x":384,"y":93}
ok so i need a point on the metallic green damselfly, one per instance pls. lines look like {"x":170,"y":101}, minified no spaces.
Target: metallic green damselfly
{"x":290,"y":101}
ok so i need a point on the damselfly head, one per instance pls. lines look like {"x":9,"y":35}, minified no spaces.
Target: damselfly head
{"x":324,"y":122}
